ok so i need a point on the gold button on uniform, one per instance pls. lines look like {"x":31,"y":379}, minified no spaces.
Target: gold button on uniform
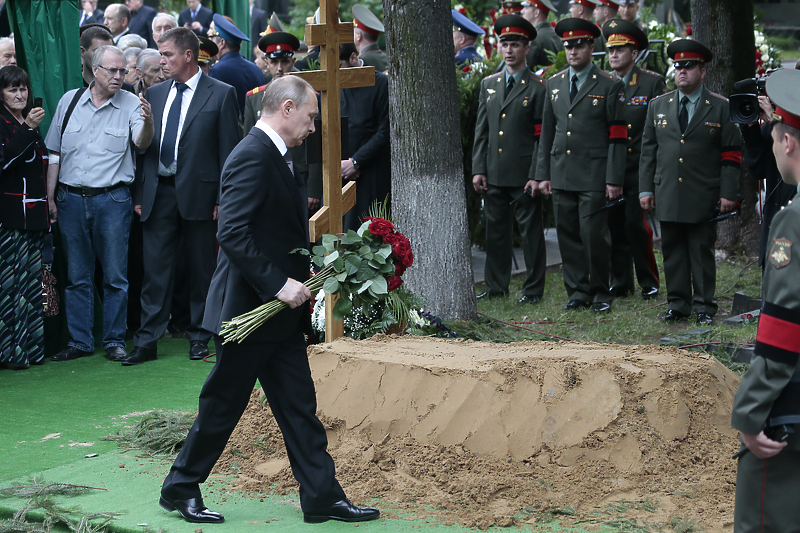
{"x":630,"y":126}
{"x":568,"y":152}
{"x":683,"y":142}
{"x":503,"y":115}
{"x":630,"y":150}
{"x":569,"y":133}
{"x":630,"y":139}
{"x":500,"y":150}
{"x":500,"y":133}
{"x":680,"y":160}
{"x":680,"y":179}
{"x":569,"y":116}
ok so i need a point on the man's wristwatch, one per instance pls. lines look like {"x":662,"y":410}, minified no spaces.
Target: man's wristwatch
{"x":355,"y":164}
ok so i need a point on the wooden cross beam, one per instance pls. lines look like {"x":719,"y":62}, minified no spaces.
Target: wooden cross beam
{"x":327,"y":81}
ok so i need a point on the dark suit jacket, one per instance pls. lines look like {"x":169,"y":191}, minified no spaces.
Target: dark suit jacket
{"x":238,"y":72}
{"x":95,"y":18}
{"x":259,"y":194}
{"x":204,"y":17}
{"x":258,"y":23}
{"x":142,"y":24}
{"x":210,"y":132}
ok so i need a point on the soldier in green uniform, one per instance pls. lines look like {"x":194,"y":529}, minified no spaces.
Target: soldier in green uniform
{"x":504,"y":162}
{"x":767,"y":473}
{"x":582,"y":163}
{"x":584,"y":9}
{"x":631,"y":236}
{"x":629,"y":10}
{"x":691,"y":158}
{"x":367,"y":28}
{"x":605,"y":11}
{"x":536,"y":12}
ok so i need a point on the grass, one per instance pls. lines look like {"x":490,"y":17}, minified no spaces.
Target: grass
{"x":631,"y":320}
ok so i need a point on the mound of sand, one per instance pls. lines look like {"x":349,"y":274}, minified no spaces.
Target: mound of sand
{"x":483,"y":434}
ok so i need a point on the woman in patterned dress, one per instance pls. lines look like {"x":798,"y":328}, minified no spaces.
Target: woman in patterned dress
{"x":23,"y":222}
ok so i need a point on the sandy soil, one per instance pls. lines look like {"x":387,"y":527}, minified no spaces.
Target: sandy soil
{"x":483,"y":434}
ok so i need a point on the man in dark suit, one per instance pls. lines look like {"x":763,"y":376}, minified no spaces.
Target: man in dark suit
{"x":141,"y":22}
{"x":256,"y":265}
{"x":258,"y":22}
{"x":177,"y":197}
{"x":196,"y":17}
{"x":90,"y":14}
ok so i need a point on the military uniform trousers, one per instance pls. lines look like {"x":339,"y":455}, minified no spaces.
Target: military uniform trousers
{"x":689,"y":264}
{"x":500,"y":218}
{"x":631,"y":242}
{"x":766,"y":493}
{"x":584,"y":243}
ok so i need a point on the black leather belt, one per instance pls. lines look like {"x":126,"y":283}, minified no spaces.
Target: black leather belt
{"x":92,"y":191}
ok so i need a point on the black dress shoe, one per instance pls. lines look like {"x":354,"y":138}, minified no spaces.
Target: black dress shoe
{"x":529,"y":300}
{"x":601,"y":307}
{"x":649,"y":293}
{"x":342,"y":510}
{"x":116,"y":354}
{"x":704,"y":318}
{"x":619,"y":292}
{"x":673,"y":316}
{"x":70,"y":353}
{"x":198,"y":350}
{"x":192,"y":510}
{"x":490,"y":295}
{"x":576,"y":304}
{"x":138,"y":356}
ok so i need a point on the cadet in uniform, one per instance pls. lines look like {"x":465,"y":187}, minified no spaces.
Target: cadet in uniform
{"x":631,"y":236}
{"x":582,"y":163}
{"x":629,"y":10}
{"x":606,"y":10}
{"x":536,"y":12}
{"x":206,"y":54}
{"x":504,"y":162}
{"x":584,"y":9}
{"x":767,"y":474}
{"x":465,"y":34}
{"x":691,"y":158}
{"x":365,"y":36}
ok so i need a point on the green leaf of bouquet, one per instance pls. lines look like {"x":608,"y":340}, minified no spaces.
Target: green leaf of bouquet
{"x":351,"y":237}
{"x":374,"y":264}
{"x":338,"y":264}
{"x":318,"y":260}
{"x":330,"y":286}
{"x":379,"y":286}
{"x":364,"y":272}
{"x":341,"y":277}
{"x":364,"y":286}
{"x":327,"y":238}
{"x":385,"y":251}
{"x":301,"y":251}
{"x":342,"y":308}
{"x":351,"y":264}
{"x":319,"y":250}
{"x":364,"y":228}
{"x":330,"y":258}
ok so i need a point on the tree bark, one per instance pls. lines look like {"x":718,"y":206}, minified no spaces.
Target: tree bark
{"x":428,"y":198}
{"x":726,"y":28}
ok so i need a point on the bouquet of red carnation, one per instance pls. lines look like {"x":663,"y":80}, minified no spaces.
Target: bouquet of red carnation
{"x":362,"y":267}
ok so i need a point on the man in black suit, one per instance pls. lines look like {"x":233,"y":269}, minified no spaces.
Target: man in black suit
{"x":90,"y":14}
{"x":196,"y":17}
{"x":258,"y":22}
{"x":196,"y":127}
{"x":141,"y":22}
{"x":256,"y":265}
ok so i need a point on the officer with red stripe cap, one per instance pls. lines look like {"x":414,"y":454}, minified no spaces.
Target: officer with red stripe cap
{"x":690,"y":163}
{"x":366,"y":30}
{"x":582,"y":163}
{"x":766,"y":410}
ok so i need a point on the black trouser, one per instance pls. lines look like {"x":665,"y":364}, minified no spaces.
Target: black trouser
{"x":631,"y":245}
{"x":285,"y":376}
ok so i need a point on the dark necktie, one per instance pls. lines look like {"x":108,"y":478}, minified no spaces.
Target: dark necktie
{"x":171,"y":131}
{"x":683,"y":117}
{"x":573,"y":90}
{"x":509,"y":86}
{"x":288,"y":157}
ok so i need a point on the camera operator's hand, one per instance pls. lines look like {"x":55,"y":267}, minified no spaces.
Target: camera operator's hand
{"x":766,"y":109}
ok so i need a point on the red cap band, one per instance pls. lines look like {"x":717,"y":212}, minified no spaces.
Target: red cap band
{"x":514,"y":30}
{"x":689,"y":56}
{"x":586,"y":3}
{"x":787,"y":118}
{"x":278,"y":47}
{"x":540,"y":5}
{"x":577,"y":34}
{"x":361,"y":26}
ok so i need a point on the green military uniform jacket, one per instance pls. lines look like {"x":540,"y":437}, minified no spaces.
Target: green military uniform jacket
{"x":643,"y":87}
{"x":600,"y":43}
{"x":778,"y":339}
{"x":546,"y":39}
{"x":582,"y":147}
{"x":507,"y":129}
{"x":689,"y":172}
{"x":373,"y":56}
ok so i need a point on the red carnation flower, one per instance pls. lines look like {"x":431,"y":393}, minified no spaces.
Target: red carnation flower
{"x":380,"y":226}
{"x":394,"y":282}
{"x":463,"y":11}
{"x":466,"y":69}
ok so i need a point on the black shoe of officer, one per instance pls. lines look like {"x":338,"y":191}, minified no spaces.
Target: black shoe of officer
{"x":674,"y":316}
{"x":489,"y":295}
{"x":528,"y":300}
{"x":648,"y":293}
{"x":576,"y":304}
{"x":601,"y":307}
{"x":704,"y":318}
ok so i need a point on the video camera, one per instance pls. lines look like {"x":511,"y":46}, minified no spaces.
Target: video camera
{"x":744,"y":106}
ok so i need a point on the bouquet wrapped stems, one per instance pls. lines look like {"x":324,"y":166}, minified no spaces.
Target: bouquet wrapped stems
{"x":240,"y":327}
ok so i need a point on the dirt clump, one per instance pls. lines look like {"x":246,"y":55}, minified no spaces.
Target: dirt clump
{"x":485,"y":434}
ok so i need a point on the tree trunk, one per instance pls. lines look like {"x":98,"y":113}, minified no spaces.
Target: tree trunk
{"x":726,"y":28}
{"x":428,"y":199}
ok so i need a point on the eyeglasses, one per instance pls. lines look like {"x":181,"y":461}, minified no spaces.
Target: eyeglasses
{"x":115,"y":71}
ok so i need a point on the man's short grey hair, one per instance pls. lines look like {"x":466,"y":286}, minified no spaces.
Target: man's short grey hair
{"x":131,"y":40}
{"x":165,"y":16}
{"x":6,"y":40}
{"x":145,"y":55}
{"x":98,"y":55}
{"x":285,"y":88}
{"x":132,"y":52}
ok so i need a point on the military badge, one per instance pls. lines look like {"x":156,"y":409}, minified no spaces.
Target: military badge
{"x":525,"y":102}
{"x":713,"y":124}
{"x":781,"y":253}
{"x":638,"y":100}
{"x":490,"y":91}
{"x":594,"y":102}
{"x":554,"y":96}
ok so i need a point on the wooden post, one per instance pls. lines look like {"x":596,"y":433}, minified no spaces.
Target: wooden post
{"x":328,"y":80}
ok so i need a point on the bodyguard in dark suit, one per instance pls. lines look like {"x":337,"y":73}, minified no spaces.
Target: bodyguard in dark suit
{"x":258,"y":22}
{"x":196,"y":17}
{"x":536,"y":12}
{"x":691,"y":159}
{"x":141,"y":20}
{"x":631,"y":235}
{"x":256,"y":265}
{"x":90,"y":14}
{"x":196,"y":127}
{"x":504,"y":162}
{"x":582,"y":163}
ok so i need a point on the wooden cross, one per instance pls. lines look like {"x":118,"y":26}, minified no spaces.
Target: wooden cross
{"x":328,"y":80}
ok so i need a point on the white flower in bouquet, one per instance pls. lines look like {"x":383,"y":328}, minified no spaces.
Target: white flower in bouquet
{"x":764,"y":48}
{"x":765,"y":58}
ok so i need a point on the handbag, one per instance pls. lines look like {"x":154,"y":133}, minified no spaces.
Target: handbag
{"x":49,"y":292}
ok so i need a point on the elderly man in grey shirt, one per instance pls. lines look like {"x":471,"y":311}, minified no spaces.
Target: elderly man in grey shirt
{"x":91,"y":166}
